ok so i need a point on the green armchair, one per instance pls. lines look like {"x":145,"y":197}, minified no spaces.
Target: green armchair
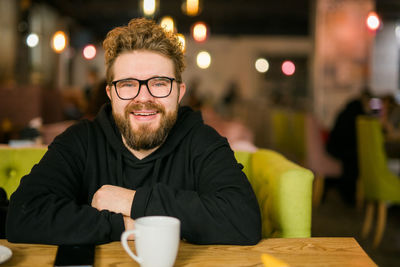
{"x":15,"y":163}
{"x":283,"y":190}
{"x":379,"y":185}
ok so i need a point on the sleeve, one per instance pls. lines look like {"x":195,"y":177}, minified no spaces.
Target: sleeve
{"x":222,"y":209}
{"x":51,"y":204}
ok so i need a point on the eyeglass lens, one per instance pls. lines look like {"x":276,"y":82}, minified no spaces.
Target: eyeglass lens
{"x":158,"y":87}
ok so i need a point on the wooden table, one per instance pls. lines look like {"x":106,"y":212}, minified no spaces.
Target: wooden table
{"x":295,"y":251}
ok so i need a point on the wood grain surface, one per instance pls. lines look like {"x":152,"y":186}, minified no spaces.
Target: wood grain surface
{"x":295,"y":251}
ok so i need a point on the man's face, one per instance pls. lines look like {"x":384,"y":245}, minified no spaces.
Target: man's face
{"x":145,"y":121}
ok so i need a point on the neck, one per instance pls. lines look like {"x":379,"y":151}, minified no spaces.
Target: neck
{"x":140,"y":154}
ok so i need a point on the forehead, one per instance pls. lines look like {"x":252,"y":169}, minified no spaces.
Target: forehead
{"x":142,"y":64}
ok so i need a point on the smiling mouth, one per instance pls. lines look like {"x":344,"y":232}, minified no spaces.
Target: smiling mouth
{"x":144,"y":113}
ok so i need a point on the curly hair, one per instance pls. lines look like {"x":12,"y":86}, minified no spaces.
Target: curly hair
{"x":142,"y":34}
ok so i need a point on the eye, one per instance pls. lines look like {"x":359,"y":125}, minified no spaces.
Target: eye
{"x":159,"y":82}
{"x":127,"y":83}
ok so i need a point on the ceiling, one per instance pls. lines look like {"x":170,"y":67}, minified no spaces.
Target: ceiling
{"x":228,"y":17}
{"x":231,"y":17}
{"x":388,"y":9}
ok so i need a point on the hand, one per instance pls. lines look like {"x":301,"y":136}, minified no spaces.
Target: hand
{"x":114,"y":198}
{"x":129,"y":225}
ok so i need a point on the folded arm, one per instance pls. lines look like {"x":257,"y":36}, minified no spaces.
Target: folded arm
{"x":222,"y":209}
{"x":51,"y":205}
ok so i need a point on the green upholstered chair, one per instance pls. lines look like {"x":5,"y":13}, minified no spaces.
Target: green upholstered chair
{"x":298,"y":136}
{"x":379,"y":185}
{"x":283,"y":188}
{"x":283,"y":191}
{"x":15,"y":163}
{"x":280,"y":131}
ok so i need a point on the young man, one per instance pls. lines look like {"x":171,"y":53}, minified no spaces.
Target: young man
{"x":142,"y":155}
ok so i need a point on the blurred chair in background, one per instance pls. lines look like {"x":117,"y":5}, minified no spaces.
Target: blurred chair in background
{"x":283,"y":190}
{"x":14,"y":164}
{"x":280,"y":131}
{"x":380,"y":186}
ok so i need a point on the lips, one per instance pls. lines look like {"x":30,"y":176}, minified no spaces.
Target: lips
{"x":144,"y":113}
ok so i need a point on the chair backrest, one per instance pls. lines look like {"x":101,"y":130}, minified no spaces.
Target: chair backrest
{"x":283,"y":190}
{"x":297,"y":134}
{"x":288,"y":130}
{"x":378,"y":182}
{"x":15,"y":163}
{"x":280,"y":125}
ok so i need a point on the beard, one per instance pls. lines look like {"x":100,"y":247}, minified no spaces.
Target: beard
{"x":145,"y":137}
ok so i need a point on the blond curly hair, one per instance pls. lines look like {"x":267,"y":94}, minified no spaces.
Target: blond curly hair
{"x":142,"y":34}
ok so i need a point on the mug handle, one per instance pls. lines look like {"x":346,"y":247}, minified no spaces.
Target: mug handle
{"x":124,"y":241}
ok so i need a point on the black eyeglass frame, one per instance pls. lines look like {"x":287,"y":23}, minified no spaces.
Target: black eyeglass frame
{"x":145,"y":82}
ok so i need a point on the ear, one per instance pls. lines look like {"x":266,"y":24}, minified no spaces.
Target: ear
{"x":108,"y":90}
{"x":182,"y":91}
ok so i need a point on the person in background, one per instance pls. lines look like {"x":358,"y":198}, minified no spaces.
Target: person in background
{"x":342,"y":143}
{"x":142,"y":155}
{"x":390,"y":121}
{"x":390,"y":118}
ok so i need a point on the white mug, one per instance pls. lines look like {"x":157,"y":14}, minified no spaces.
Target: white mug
{"x":156,"y":241}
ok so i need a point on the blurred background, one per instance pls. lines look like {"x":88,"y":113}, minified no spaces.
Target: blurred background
{"x":289,"y":75}
{"x":330,"y":51}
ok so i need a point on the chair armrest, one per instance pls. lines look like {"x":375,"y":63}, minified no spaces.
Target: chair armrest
{"x":15,"y":163}
{"x":284,"y":191}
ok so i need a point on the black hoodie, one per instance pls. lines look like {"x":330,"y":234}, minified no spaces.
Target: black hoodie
{"x":193,"y":176}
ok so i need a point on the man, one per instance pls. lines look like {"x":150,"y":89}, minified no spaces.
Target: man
{"x":142,"y":155}
{"x":342,"y":143}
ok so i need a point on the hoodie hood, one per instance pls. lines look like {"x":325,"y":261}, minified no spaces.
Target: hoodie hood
{"x":186,"y":121}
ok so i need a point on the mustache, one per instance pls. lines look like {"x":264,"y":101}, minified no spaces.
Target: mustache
{"x":146,"y":105}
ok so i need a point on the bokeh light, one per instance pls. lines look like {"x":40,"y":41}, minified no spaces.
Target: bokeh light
{"x":32,"y":40}
{"x":288,"y":68}
{"x":168,"y":24}
{"x":89,"y":52}
{"x":149,"y":7}
{"x":262,"y":65}
{"x":199,"y":32}
{"x":182,"y":40}
{"x":373,"y":22}
{"x":203,"y":60}
{"x":191,"y":7}
{"x":59,"y":41}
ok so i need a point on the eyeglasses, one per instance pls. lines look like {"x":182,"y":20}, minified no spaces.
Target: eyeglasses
{"x":129,"y":88}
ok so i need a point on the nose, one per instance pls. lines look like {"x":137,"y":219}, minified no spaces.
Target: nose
{"x":144,"y":94}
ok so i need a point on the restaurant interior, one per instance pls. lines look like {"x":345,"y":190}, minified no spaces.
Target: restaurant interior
{"x":292,"y":76}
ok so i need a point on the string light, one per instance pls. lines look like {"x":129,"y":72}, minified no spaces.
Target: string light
{"x":199,"y":32}
{"x":168,"y":24}
{"x":149,"y":7}
{"x":32,"y":40}
{"x":203,"y":59}
{"x":262,"y":65}
{"x":89,"y":52}
{"x":182,"y":40}
{"x":191,"y":7}
{"x":288,"y":68}
{"x":373,"y":22}
{"x":59,"y":41}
